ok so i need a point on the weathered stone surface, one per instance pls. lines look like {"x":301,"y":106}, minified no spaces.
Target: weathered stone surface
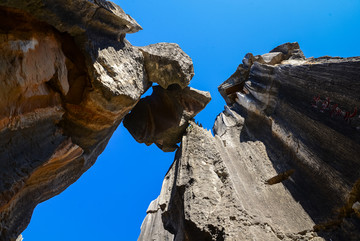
{"x":79,"y":16}
{"x":284,"y":162}
{"x":211,"y":192}
{"x":163,"y":117}
{"x":67,"y":79}
{"x":289,"y":50}
{"x":167,"y":64}
{"x":306,"y":115}
{"x":235,"y":83}
{"x":272,"y":58}
{"x":152,"y":227}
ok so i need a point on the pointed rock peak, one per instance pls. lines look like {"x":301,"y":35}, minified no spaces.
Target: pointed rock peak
{"x":286,"y":47}
{"x":290,"y":50}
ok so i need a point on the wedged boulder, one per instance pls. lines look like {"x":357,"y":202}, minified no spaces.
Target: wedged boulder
{"x":163,"y":117}
{"x":68,"y":77}
{"x":167,"y":64}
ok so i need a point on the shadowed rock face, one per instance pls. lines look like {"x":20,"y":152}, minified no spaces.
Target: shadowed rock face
{"x":284,"y":161}
{"x":67,"y":79}
{"x":163,"y":117}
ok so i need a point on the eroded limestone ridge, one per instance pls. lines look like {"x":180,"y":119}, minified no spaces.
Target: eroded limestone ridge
{"x":284,"y":163}
{"x":68,"y":77}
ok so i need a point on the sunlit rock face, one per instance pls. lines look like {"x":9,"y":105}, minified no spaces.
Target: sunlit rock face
{"x":68,"y":77}
{"x":166,"y":64}
{"x":283,"y":164}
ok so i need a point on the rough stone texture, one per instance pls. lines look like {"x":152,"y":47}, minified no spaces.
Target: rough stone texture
{"x":167,"y":64}
{"x":211,"y":192}
{"x":68,"y":77}
{"x":163,"y":117}
{"x":78,"y":16}
{"x":152,"y":226}
{"x":284,"y":163}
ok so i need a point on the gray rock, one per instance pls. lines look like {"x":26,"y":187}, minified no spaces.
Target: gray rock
{"x":273,"y":58}
{"x":152,"y":227}
{"x":124,"y":20}
{"x":163,"y":117}
{"x":290,"y":50}
{"x":167,"y":64}
{"x":281,"y":109}
{"x":284,"y":156}
{"x":211,"y":192}
{"x":235,"y":83}
{"x":248,"y":60}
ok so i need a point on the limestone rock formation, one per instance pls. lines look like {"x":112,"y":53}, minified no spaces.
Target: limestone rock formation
{"x":163,"y":117}
{"x":211,"y":192}
{"x":68,"y":77}
{"x":283,"y":164}
{"x":166,"y":64}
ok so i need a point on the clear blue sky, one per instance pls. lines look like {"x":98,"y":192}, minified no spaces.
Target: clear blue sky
{"x":110,"y":200}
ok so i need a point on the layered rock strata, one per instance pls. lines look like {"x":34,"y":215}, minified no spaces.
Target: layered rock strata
{"x":68,"y":77}
{"x":283,"y":164}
